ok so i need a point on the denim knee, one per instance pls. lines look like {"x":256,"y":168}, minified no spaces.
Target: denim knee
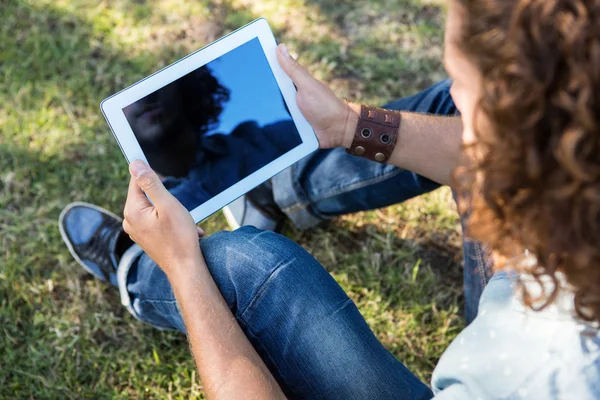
{"x":241,"y":261}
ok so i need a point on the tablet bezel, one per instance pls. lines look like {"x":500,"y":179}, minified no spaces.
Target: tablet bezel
{"x":112,"y":108}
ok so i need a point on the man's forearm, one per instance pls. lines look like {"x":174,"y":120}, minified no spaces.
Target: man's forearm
{"x":228,"y":364}
{"x":427,"y":144}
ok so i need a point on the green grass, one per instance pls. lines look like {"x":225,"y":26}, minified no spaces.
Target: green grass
{"x":64,"y":335}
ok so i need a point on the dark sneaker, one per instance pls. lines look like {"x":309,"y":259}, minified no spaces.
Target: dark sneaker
{"x":95,"y":238}
{"x":256,"y":208}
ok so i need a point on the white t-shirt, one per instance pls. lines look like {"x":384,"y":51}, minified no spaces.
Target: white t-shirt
{"x":511,"y":352}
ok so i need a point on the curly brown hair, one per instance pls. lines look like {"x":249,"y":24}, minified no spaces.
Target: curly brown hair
{"x":535,"y":184}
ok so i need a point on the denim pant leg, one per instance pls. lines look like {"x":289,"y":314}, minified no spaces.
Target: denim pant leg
{"x":332,"y":182}
{"x":306,"y":329}
{"x":477,"y":274}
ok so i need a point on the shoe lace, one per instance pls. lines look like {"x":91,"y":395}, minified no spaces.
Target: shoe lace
{"x":98,"y":248}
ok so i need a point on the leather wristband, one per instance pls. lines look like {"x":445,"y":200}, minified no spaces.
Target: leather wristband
{"x":376,"y":133}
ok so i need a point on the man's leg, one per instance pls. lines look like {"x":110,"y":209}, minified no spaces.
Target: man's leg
{"x":332,"y":182}
{"x":306,"y":329}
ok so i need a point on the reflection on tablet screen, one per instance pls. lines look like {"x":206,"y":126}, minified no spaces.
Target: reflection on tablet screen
{"x":215,"y":126}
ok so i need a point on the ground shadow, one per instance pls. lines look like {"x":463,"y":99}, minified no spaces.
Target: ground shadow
{"x":378,"y":258}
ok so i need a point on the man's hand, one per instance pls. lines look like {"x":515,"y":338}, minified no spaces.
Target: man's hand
{"x":165,"y":229}
{"x":333,"y":120}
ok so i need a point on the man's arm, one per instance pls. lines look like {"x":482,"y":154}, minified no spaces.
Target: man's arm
{"x":229,"y":366}
{"x":429,"y":145}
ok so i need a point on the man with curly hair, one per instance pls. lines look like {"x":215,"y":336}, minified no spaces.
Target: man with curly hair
{"x":265,"y":320}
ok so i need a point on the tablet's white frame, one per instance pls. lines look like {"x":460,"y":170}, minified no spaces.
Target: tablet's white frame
{"x":112,"y":108}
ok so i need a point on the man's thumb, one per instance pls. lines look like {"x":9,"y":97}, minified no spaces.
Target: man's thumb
{"x":297,"y":73}
{"x":148,"y":181}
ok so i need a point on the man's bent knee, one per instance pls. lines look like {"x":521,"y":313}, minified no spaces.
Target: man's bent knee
{"x":243,"y":260}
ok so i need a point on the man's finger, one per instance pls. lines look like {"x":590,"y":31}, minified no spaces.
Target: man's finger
{"x":134,"y":193}
{"x":149,"y":182}
{"x":136,"y":200}
{"x":297,"y":73}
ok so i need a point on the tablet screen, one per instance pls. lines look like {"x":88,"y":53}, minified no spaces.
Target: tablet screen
{"x":215,"y":126}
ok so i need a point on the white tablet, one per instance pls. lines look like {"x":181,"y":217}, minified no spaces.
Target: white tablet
{"x":216,"y":123}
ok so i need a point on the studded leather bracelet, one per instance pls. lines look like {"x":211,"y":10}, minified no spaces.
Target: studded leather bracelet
{"x":376,"y":133}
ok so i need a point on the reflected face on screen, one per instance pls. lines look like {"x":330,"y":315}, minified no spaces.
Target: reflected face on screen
{"x":213,"y":127}
{"x":168,"y":122}
{"x":154,"y":116}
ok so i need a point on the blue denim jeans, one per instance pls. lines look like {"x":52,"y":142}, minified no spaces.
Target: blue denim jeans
{"x":306,"y":329}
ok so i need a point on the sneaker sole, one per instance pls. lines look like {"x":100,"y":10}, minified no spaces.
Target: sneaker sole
{"x":233,"y":224}
{"x":66,"y":238}
{"x":231,"y":221}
